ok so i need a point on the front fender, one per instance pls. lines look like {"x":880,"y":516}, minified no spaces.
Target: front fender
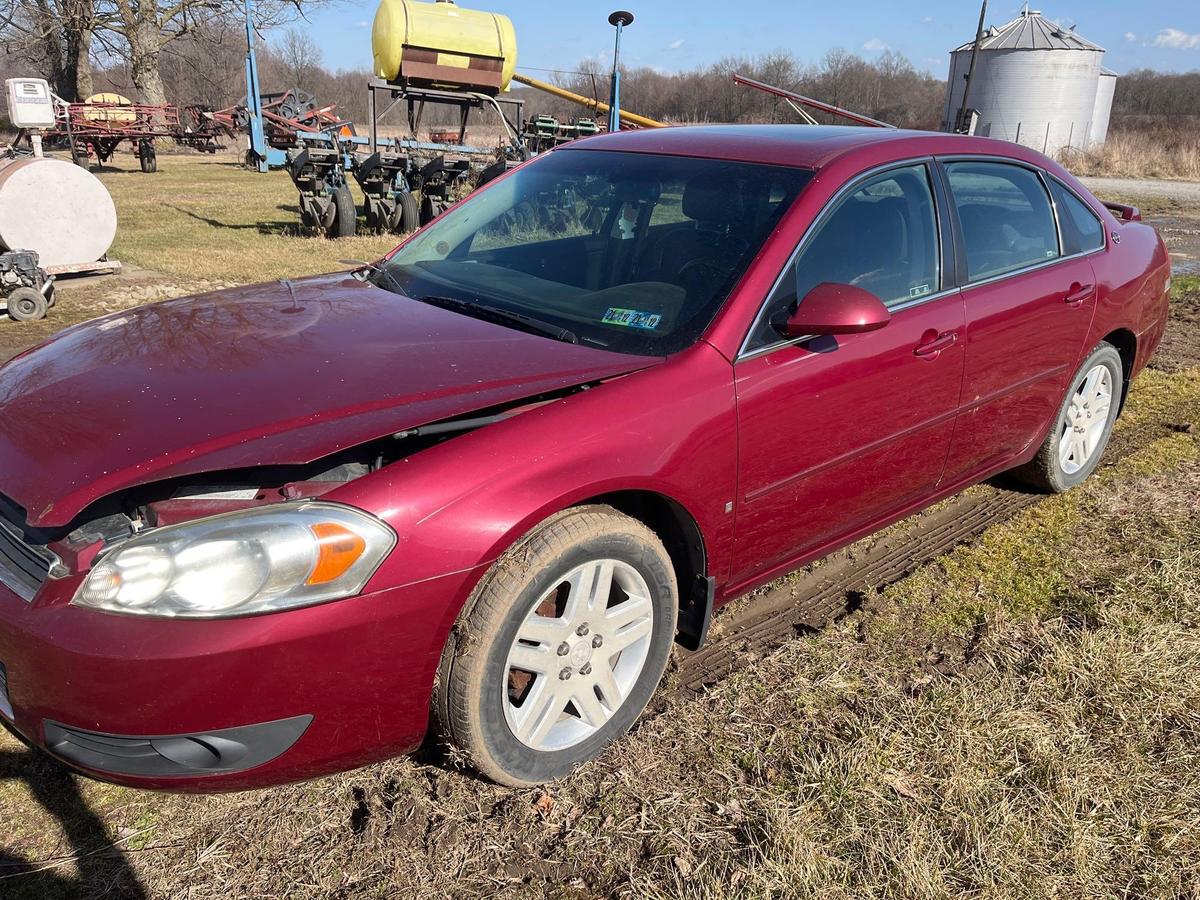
{"x":669,"y":429}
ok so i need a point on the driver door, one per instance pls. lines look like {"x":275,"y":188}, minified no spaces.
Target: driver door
{"x":838,"y":433}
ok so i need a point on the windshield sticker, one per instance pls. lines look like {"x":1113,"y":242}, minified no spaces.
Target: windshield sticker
{"x":631,"y":318}
{"x":919,"y":291}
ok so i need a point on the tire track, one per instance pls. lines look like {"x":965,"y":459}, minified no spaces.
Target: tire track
{"x":813,"y":599}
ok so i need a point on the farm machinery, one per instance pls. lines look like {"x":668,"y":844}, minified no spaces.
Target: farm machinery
{"x":392,"y":172}
{"x":99,"y":125}
{"x":439,"y":56}
{"x":283,"y":116}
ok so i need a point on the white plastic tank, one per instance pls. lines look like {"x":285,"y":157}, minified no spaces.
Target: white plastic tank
{"x":57,"y":209}
{"x":1036,"y":83}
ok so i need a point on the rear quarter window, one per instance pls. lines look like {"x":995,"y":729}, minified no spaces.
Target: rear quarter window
{"x":1082,"y":230}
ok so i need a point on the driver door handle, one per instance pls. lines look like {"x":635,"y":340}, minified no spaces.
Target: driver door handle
{"x":1078,"y":294}
{"x":933,"y":344}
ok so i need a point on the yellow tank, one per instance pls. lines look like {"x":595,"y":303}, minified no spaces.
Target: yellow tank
{"x":108,"y":112}
{"x":443,"y":45}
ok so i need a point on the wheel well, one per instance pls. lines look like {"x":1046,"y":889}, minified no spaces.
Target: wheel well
{"x":1126,"y":343}
{"x":684,"y":543}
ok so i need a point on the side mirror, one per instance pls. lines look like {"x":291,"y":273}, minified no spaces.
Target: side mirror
{"x":832,"y":308}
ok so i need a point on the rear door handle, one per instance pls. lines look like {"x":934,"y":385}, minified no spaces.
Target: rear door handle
{"x":933,"y":344}
{"x":1078,"y":294}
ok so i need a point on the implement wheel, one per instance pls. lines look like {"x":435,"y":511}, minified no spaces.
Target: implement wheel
{"x":26,"y":305}
{"x":80,"y":155}
{"x":345,"y":215}
{"x":410,"y":216}
{"x":147,"y":157}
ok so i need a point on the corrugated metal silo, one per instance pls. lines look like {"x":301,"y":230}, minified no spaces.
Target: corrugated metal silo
{"x":1103,"y":107}
{"x":1036,"y":83}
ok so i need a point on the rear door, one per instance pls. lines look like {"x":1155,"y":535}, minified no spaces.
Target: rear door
{"x":836,"y":432}
{"x":1029,"y":298}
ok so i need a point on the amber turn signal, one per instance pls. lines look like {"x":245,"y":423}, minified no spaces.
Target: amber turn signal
{"x":338,"y":548}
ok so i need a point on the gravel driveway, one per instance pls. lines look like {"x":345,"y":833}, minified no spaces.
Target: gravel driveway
{"x":1187,"y":191}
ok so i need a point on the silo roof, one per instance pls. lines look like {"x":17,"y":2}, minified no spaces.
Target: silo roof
{"x":1030,"y":31}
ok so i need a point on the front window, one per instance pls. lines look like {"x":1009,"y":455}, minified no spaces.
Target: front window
{"x":883,"y":238}
{"x":631,"y":252}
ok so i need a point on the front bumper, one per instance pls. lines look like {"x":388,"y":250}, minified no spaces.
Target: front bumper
{"x":306,"y":692}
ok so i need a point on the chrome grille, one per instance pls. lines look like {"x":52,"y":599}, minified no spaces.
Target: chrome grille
{"x":23,"y":566}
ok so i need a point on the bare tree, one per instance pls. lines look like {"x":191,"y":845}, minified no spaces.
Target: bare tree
{"x":144,"y":28}
{"x":299,"y":56}
{"x":55,"y":37}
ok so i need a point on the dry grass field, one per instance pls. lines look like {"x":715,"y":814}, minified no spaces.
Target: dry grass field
{"x":1018,"y":717}
{"x":1158,"y":153}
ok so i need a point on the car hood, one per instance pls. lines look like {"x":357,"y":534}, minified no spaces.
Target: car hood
{"x":270,"y":374}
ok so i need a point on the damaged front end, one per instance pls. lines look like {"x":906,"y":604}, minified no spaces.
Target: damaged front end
{"x":216,"y":543}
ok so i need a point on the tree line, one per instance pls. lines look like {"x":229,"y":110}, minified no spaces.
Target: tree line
{"x":192,"y":51}
{"x":70,"y":42}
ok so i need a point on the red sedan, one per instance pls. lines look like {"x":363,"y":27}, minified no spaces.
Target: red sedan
{"x":258,"y":535}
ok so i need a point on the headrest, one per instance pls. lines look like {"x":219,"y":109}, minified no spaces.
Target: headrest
{"x":714,"y":200}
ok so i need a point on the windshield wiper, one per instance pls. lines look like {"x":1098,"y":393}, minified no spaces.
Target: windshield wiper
{"x":504,"y":316}
{"x":374,"y":267}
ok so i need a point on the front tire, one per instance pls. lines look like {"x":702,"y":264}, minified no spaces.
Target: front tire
{"x":561,"y":648}
{"x":1081,"y":430}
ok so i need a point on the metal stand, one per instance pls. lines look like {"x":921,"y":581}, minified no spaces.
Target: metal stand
{"x":383,"y":97}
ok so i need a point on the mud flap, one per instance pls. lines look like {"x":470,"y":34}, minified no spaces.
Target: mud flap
{"x":696,"y":617}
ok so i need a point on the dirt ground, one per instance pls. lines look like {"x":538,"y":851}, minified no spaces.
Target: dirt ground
{"x":995,"y":698}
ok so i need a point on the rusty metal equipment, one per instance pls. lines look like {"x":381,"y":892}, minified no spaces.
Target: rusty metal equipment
{"x":283,"y":116}
{"x":97,"y":127}
{"x":799,"y":101}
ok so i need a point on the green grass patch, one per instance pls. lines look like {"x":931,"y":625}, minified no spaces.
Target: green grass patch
{"x":210,"y":218}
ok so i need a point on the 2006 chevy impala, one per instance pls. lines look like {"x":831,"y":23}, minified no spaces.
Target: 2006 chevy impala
{"x":259,"y":535}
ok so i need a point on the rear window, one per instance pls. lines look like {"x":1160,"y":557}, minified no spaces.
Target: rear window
{"x":1007,"y":221}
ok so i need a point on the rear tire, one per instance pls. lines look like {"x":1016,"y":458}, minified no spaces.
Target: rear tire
{"x":1084,"y":423}
{"x":561,"y":647}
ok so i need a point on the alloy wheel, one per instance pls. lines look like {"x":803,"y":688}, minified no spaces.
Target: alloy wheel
{"x":1086,"y":419}
{"x":577,"y":654}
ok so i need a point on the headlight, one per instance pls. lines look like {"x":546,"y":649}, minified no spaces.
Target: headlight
{"x":252,"y":561}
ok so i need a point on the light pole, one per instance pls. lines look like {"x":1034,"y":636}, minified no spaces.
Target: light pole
{"x":618,"y":20}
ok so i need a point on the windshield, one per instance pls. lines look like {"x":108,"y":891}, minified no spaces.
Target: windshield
{"x":631,"y":252}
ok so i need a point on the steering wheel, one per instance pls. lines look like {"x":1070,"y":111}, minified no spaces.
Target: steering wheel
{"x":735,"y":248}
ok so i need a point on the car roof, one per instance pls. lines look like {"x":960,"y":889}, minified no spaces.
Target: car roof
{"x":806,"y":146}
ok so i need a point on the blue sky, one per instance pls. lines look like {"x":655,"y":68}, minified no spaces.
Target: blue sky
{"x":682,"y":34}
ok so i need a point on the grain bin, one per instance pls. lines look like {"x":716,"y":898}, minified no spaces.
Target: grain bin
{"x":442,"y":45}
{"x":1036,"y":83}
{"x":1103,"y":106}
{"x":57,"y":209}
